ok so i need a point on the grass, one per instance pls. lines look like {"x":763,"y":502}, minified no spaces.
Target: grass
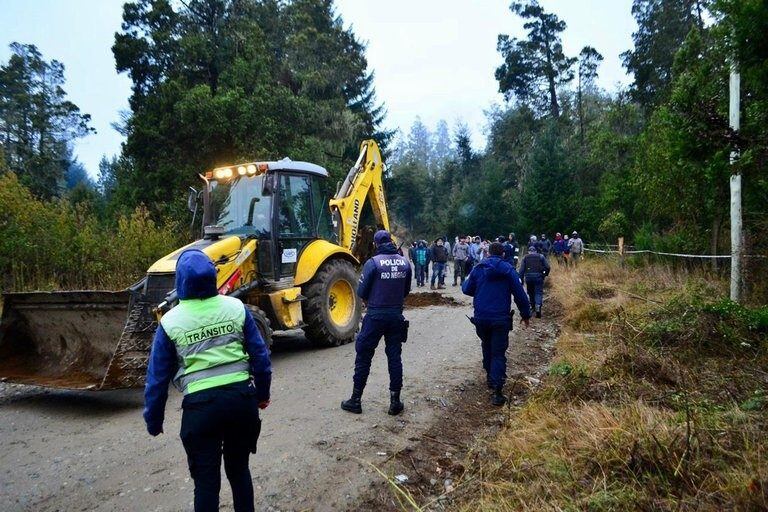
{"x":657,"y":399}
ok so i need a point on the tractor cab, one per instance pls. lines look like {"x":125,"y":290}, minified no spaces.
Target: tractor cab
{"x":281,"y":204}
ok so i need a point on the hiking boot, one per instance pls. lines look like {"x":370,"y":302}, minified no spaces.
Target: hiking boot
{"x":498,"y":399}
{"x":538,"y":314}
{"x":441,"y":287}
{"x":432,"y":287}
{"x":395,"y":405}
{"x":354,"y":404}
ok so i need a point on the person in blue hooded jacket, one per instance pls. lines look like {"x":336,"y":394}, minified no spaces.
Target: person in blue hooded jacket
{"x":385,"y":282}
{"x":211,"y":348}
{"x":493,"y":283}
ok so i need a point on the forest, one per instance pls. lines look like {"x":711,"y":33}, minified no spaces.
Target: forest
{"x":650,"y":163}
{"x":228,"y":80}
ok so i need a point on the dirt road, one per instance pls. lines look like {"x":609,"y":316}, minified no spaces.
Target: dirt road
{"x":69,"y":451}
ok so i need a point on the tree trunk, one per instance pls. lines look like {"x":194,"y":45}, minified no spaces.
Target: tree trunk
{"x":554,"y":108}
{"x":581,"y":113}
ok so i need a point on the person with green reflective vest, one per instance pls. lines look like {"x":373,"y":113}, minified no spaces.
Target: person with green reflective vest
{"x":211,"y":348}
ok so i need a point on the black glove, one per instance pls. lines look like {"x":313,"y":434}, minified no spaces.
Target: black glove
{"x":154,"y":429}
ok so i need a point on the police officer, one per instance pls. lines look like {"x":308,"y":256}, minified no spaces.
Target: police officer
{"x":210,"y":346}
{"x":534,"y":268}
{"x":384,"y":284}
{"x":492,"y":283}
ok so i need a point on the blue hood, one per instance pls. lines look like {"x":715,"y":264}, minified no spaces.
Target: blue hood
{"x":195,"y":276}
{"x":494,"y":267}
{"x":387,"y":248}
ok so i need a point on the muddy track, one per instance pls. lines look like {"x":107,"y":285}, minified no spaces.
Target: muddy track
{"x":434,"y":461}
{"x":89,"y":451}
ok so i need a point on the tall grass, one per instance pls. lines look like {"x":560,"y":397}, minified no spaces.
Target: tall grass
{"x":657,"y":400}
{"x":49,"y":245}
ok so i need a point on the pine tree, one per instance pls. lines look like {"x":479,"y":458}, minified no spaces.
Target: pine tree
{"x":534,"y":68}
{"x":37,"y":122}
{"x":218,"y":81}
{"x":662,"y":28}
{"x":589,"y":60}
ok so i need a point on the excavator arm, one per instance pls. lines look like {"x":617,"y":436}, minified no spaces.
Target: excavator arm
{"x":363,"y":181}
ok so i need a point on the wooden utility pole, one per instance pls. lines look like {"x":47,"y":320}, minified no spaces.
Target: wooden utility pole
{"x":736,"y":233}
{"x":621,"y":250}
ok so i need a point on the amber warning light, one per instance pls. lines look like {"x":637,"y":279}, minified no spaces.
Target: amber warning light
{"x":225,"y":173}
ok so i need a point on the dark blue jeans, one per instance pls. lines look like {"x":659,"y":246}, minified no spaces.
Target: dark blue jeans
{"x":494,"y":340}
{"x":215,"y":422}
{"x":421,"y":271}
{"x":534,"y":282}
{"x":438,"y":271}
{"x":392,"y":328}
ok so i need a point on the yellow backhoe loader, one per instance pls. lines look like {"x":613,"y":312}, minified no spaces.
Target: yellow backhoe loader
{"x":278,"y":244}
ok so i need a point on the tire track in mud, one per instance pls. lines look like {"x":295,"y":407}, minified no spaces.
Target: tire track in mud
{"x":433,"y":462}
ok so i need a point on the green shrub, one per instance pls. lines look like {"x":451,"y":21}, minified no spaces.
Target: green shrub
{"x":561,"y":368}
{"x":55,"y":245}
{"x":751,"y":319}
{"x":757,"y":402}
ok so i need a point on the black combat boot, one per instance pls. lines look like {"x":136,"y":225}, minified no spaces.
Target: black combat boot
{"x":353,"y":405}
{"x":395,"y":405}
{"x":498,"y":399}
{"x":538,"y":311}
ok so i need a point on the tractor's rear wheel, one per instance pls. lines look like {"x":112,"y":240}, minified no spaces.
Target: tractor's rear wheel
{"x":332,"y":309}
{"x":262,"y":323}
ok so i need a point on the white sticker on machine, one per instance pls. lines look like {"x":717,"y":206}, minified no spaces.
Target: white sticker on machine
{"x":289,"y":255}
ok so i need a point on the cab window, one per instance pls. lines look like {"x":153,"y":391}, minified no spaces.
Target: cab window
{"x":295,"y":215}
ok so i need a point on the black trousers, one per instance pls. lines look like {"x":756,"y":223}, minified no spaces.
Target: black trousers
{"x":459,"y":271}
{"x":215,"y":422}
{"x":392,"y":328}
{"x":494,"y":337}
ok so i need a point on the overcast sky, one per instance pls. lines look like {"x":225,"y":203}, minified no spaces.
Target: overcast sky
{"x":433,"y":58}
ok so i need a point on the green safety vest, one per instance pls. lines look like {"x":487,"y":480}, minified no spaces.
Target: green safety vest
{"x":208,"y":335}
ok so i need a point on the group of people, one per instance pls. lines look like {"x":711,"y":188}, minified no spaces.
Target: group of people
{"x":210,"y":347}
{"x":436,"y":254}
{"x":565,"y":250}
{"x":466,"y":251}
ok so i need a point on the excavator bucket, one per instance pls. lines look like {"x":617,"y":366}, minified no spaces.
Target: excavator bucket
{"x":76,"y":340}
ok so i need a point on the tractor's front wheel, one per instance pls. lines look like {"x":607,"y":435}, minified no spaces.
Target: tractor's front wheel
{"x":262,"y":323}
{"x":332,"y":309}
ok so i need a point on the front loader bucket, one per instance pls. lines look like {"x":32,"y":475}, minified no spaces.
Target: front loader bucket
{"x":75,"y":340}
